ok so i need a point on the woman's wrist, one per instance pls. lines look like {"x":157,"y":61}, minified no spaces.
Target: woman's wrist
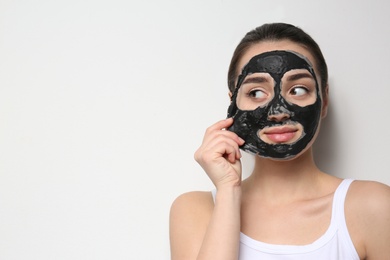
{"x":229,"y":193}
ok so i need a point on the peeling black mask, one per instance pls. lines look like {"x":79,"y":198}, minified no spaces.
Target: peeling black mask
{"x":247,"y":123}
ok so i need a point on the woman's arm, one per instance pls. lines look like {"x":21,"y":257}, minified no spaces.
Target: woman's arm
{"x":368,"y":219}
{"x":222,"y":237}
{"x":189,"y":217}
{"x":377,"y":223}
{"x":200,"y":228}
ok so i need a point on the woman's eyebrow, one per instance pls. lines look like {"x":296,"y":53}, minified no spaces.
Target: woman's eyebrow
{"x":299,"y":76}
{"x":256,"y":79}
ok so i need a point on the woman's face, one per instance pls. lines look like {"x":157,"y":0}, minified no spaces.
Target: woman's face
{"x":277,"y":103}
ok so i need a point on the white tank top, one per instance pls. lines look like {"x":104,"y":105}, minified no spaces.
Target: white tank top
{"x":335,"y":244}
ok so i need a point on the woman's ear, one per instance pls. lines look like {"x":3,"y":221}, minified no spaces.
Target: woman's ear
{"x":325,"y":102}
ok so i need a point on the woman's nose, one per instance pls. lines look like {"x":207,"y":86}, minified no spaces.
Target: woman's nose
{"x":278,"y":113}
{"x":278,"y":117}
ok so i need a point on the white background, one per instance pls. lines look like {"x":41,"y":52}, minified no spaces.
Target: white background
{"x":103,"y":103}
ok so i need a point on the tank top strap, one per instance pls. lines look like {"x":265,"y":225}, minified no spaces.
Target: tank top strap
{"x":339,"y":201}
{"x":338,"y":217}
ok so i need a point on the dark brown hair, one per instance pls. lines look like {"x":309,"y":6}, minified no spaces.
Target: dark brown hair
{"x":278,"y":32}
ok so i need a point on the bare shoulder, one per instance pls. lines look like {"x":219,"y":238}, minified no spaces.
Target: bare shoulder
{"x":367,"y":210}
{"x":369,"y":201}
{"x":369,"y":195}
{"x":193,"y":204}
{"x":189,"y":218}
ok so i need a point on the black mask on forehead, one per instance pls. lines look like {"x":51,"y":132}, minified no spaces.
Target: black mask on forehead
{"x":247,"y":123}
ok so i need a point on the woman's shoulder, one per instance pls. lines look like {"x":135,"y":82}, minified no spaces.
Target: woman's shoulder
{"x":369,"y":194}
{"x":369,"y":199}
{"x":192,"y":209}
{"x":367,"y":209}
{"x":188,"y":221}
{"x":193,"y":201}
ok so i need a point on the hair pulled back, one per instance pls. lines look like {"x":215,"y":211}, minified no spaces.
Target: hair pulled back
{"x":277,"y":32}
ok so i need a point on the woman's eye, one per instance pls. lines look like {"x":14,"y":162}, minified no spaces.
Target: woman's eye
{"x":257,"y":94}
{"x":299,"y":91}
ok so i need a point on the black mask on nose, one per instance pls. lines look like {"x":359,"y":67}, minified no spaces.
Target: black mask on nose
{"x":247,"y":123}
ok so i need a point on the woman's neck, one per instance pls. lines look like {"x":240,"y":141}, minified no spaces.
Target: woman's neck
{"x":285,"y":181}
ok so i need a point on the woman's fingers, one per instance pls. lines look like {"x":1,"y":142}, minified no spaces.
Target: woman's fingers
{"x":219,"y":143}
{"x":224,"y":146}
{"x":219,"y":155}
{"x":220,"y":128}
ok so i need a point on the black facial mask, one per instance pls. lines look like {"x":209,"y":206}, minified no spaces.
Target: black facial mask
{"x":247,"y":123}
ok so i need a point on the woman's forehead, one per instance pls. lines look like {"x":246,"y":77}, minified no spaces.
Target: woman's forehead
{"x":269,"y":46}
{"x":277,"y":63}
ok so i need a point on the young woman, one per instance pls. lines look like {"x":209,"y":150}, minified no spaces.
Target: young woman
{"x":287,"y":208}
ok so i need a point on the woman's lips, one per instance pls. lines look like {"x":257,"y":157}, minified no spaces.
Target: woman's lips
{"x":280,"y":134}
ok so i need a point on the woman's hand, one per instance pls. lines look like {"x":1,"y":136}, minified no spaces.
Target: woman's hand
{"x":219,"y":155}
{"x":200,"y":227}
